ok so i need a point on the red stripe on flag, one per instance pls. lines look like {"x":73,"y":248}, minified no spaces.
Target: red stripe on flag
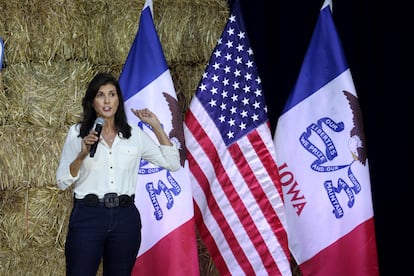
{"x":248,"y":223}
{"x":151,"y":262}
{"x":237,"y":203}
{"x":198,"y":132}
{"x":269,"y":163}
{"x":360,"y":261}
{"x":208,"y":239}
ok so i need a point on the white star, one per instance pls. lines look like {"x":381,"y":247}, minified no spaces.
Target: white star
{"x":217,"y":53}
{"x":246,"y":89}
{"x":212,"y":102}
{"x":238,"y":60}
{"x":202,"y":87}
{"x":229,"y":44}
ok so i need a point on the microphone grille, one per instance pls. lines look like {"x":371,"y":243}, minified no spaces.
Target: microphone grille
{"x":99,"y":121}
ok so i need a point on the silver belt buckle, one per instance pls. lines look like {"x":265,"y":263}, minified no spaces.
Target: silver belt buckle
{"x":111,"y":200}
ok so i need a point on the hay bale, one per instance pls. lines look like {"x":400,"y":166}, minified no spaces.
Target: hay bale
{"x":14,"y":30}
{"x":33,"y":230}
{"x":29,"y":155}
{"x":60,"y":34}
{"x":46,"y":94}
{"x":186,"y":78}
{"x":189,"y":29}
{"x":101,"y":32}
{"x":4,"y":102}
{"x":48,"y":30}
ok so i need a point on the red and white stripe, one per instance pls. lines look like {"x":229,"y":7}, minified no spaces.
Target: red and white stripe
{"x":239,"y":209}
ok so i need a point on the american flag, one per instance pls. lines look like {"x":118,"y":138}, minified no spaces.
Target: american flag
{"x":239,"y":209}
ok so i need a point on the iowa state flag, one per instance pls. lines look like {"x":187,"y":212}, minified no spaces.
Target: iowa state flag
{"x":164,"y":198}
{"x":323,"y":164}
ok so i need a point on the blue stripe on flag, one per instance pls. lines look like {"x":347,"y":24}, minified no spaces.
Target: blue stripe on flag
{"x":152,"y":62}
{"x":1,"y":53}
{"x":323,"y":62}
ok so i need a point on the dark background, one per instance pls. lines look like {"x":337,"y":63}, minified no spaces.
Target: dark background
{"x":375,"y":38}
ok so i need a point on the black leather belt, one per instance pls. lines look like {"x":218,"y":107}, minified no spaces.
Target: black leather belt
{"x":109,"y":200}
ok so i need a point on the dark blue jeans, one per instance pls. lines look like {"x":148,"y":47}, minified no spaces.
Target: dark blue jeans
{"x":110,"y":234}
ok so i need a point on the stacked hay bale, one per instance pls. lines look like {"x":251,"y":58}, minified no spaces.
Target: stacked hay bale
{"x":52,"y":50}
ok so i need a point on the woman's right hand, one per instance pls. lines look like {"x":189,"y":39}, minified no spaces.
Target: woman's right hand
{"x":88,"y":141}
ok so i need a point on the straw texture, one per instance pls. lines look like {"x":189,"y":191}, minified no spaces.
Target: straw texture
{"x":52,"y":49}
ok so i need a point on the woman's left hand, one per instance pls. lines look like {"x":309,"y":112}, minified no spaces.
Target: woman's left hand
{"x":150,"y":118}
{"x":146,"y":116}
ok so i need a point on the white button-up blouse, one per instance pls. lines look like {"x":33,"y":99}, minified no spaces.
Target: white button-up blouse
{"x":115,"y":169}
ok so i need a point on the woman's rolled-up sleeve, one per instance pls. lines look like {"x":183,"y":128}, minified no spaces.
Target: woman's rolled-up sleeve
{"x":164,"y":156}
{"x":71,"y":147}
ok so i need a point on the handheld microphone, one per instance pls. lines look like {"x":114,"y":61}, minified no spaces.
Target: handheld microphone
{"x":99,"y":122}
